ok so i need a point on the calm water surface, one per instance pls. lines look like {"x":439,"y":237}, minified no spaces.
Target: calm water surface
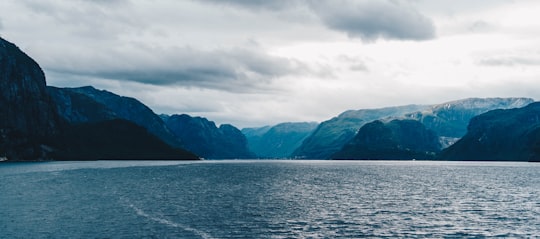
{"x":269,"y":199}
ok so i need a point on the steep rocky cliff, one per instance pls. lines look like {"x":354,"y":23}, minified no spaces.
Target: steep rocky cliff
{"x":27,"y":114}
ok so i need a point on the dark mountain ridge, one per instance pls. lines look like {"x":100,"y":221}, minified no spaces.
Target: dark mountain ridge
{"x":500,"y":135}
{"x":78,"y":108}
{"x":204,"y":138}
{"x":27,"y":114}
{"x":115,"y":107}
{"x":31,"y":127}
{"x":393,"y":140}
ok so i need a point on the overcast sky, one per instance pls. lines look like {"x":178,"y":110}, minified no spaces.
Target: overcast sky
{"x":260,"y":62}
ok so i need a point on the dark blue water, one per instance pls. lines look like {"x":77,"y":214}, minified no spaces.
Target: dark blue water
{"x":269,"y":199}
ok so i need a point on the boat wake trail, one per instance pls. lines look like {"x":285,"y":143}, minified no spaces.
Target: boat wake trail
{"x":166,"y":222}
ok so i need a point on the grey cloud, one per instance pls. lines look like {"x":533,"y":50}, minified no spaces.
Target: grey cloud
{"x":236,"y":70}
{"x":1,"y":25}
{"x":366,"y":19}
{"x":371,"y":20}
{"x":94,"y":19}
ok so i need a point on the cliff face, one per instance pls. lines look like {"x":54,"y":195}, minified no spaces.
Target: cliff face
{"x":500,"y":135}
{"x":27,"y":114}
{"x":205,"y":139}
{"x":397,"y":139}
{"x":24,"y":102}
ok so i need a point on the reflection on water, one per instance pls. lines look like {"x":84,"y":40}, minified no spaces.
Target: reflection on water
{"x":269,"y":199}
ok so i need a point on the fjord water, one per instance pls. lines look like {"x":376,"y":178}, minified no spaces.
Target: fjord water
{"x":269,"y":199}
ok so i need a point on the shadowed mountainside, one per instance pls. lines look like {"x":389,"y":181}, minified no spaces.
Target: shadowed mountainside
{"x":500,"y":135}
{"x":204,"y":138}
{"x":76,"y":108}
{"x":27,"y":113}
{"x":114,"y":139}
{"x":397,"y":139}
{"x":32,"y":129}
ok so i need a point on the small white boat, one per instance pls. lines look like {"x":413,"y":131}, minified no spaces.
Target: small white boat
{"x":2,"y":159}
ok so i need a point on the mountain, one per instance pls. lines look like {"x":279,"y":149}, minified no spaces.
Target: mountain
{"x":397,"y":139}
{"x":31,"y":127}
{"x":330,"y":136}
{"x":278,"y":141}
{"x":204,"y":138}
{"x":87,"y":105}
{"x":500,"y":135}
{"x":450,"y":119}
{"x":27,"y":113}
{"x":78,"y":108}
{"x":113,"y":139}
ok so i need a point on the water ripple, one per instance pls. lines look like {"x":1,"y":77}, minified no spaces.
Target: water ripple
{"x":170,"y":223}
{"x":283,"y":199}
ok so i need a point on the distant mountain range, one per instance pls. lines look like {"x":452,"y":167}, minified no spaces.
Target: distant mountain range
{"x":331,"y":135}
{"x":278,"y":141}
{"x":204,"y":138}
{"x":196,"y":134}
{"x":43,"y":123}
{"x":448,"y":121}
